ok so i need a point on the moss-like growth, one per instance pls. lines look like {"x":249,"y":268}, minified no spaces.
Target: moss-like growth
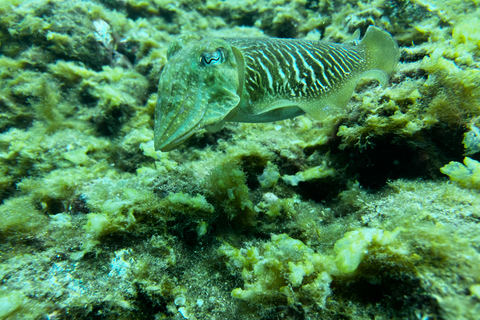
{"x":274,"y":206}
{"x":277,"y":271}
{"x":19,"y":215}
{"x":287,"y":269}
{"x":229,"y":189}
{"x":112,"y":227}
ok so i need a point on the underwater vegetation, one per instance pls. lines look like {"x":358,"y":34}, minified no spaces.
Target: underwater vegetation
{"x":372,"y":213}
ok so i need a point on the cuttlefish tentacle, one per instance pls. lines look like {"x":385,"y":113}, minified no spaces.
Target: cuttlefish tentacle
{"x":208,"y":81}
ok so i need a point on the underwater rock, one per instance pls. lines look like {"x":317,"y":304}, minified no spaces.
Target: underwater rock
{"x":346,"y":217}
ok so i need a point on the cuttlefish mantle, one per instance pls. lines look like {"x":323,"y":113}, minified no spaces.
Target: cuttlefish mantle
{"x":208,"y":81}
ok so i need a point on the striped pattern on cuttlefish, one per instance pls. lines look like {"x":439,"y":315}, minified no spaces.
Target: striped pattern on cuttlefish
{"x":208,"y":81}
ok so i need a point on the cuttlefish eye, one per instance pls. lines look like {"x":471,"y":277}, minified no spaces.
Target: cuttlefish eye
{"x":213,"y":58}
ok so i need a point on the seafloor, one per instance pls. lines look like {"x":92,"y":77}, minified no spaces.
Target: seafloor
{"x":346,"y":218}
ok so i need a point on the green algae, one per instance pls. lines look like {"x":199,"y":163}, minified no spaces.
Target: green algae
{"x":467,"y":175}
{"x":229,"y":188}
{"x":294,"y":219}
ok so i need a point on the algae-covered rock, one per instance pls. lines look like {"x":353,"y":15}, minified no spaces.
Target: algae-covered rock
{"x":467,"y":175}
{"x":349,"y":217}
{"x":228,"y":187}
{"x":317,"y":172}
{"x":269,"y":176}
{"x":471,"y":140}
{"x":283,"y":269}
{"x":19,"y":215}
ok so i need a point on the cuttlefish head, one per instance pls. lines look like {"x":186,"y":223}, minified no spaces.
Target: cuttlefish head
{"x":198,"y":88}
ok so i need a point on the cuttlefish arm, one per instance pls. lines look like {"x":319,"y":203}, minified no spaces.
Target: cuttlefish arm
{"x":209,"y":81}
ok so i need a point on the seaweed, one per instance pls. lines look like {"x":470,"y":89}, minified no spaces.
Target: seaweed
{"x":350,"y":217}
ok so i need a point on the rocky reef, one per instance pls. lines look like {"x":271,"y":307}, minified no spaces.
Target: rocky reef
{"x":366,"y":215}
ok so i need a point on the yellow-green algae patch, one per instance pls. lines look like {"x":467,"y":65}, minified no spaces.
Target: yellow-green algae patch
{"x":349,"y":217}
{"x":425,"y":237}
{"x":286,"y":268}
{"x":318,"y":172}
{"x":467,"y":175}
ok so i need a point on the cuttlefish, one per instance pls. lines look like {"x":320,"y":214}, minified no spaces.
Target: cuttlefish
{"x":208,"y":81}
